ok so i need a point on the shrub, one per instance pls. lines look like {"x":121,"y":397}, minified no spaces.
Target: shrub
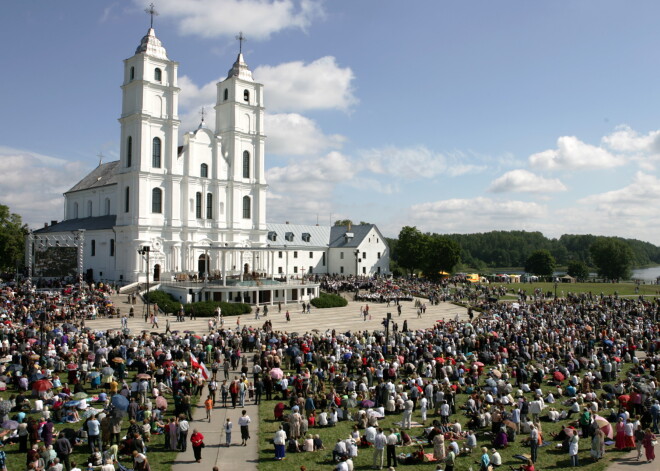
{"x":328,"y":300}
{"x":207,"y":308}
{"x":165,"y":301}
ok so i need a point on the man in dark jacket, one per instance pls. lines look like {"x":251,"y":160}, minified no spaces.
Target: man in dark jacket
{"x":63,"y":449}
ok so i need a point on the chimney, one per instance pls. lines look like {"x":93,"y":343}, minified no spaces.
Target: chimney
{"x":45,"y":224}
{"x":52,"y":223}
{"x":349,"y":227}
{"x":287,"y":222}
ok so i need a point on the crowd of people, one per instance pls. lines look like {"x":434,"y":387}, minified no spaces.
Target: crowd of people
{"x":494,"y":380}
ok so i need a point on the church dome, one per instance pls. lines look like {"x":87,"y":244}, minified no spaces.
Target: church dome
{"x":240,"y":69}
{"x":152,"y":46}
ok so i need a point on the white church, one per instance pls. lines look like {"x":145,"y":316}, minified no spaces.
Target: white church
{"x":191,"y":215}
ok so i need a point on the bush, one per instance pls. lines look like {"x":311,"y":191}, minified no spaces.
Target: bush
{"x":165,"y":301}
{"x":328,"y":300}
{"x":207,"y":308}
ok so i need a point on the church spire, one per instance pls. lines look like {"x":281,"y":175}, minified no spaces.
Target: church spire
{"x":240,"y":68}
{"x":150,"y":44}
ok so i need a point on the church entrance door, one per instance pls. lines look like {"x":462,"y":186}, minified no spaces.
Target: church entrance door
{"x":156,"y":272}
{"x":203,"y":264}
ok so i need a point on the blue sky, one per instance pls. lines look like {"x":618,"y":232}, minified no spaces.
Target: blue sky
{"x":454,"y":116}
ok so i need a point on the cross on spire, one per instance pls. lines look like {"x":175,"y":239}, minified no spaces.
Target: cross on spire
{"x":240,"y":39}
{"x":202,"y":113}
{"x":100,"y":156}
{"x":152,"y":12}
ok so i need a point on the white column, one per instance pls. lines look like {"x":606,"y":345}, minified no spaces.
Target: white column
{"x":240,"y":266}
{"x":224,"y":268}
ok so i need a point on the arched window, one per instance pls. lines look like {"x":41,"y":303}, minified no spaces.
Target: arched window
{"x":127,"y":199}
{"x":246,"y":207}
{"x":107,"y":206}
{"x":198,"y":205}
{"x":158,"y":75}
{"x":155,"y":153}
{"x":129,"y":151}
{"x":209,"y":206}
{"x":132,"y":73}
{"x":246,"y":164}
{"x":157,"y":200}
{"x":112,"y":247}
{"x":246,"y":96}
{"x":204,"y":171}
{"x":75,"y":210}
{"x":89,"y":209}
{"x":226,"y":94}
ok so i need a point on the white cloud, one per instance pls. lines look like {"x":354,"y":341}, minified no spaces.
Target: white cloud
{"x":626,"y":139}
{"x":294,"y":134}
{"x":32,"y":184}
{"x":296,"y":86}
{"x":571,"y":153}
{"x":633,"y":201}
{"x":414,"y":163}
{"x":524,"y":181}
{"x":259,"y":18}
{"x":304,"y":188}
{"x":476,"y":214}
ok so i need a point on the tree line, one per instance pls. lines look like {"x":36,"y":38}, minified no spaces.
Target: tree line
{"x":611,"y":257}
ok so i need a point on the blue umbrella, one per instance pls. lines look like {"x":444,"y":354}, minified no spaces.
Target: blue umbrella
{"x":120,"y":402}
{"x":71,"y":403}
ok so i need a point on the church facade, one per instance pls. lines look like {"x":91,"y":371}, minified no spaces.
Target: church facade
{"x":197,"y":206}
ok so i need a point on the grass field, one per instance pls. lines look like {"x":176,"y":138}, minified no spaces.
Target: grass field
{"x":159,"y":458}
{"x":548,"y":456}
{"x":606,"y":289}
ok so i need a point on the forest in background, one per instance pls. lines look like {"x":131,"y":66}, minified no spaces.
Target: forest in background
{"x":512,"y":249}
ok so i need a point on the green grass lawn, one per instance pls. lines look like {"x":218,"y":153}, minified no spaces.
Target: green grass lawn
{"x":548,"y":456}
{"x":607,"y":289}
{"x":159,"y":458}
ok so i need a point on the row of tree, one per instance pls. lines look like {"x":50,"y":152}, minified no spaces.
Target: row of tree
{"x":612,"y":257}
{"x":12,"y":240}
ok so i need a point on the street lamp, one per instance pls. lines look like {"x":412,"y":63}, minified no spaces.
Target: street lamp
{"x":145,"y":250}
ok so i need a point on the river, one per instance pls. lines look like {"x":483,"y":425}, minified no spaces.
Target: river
{"x":646,"y":274}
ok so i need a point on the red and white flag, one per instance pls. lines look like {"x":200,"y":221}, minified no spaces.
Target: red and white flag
{"x":198,"y":365}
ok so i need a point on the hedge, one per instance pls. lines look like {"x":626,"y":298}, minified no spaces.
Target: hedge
{"x":207,"y":308}
{"x":328,"y":300}
{"x":167,"y":303}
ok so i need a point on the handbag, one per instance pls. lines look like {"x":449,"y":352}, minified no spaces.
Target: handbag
{"x":654,"y":442}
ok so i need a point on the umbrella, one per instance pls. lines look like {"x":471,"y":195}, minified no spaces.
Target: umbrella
{"x":161,"y":402}
{"x":107,"y":371}
{"x":120,"y":402}
{"x":478,"y":363}
{"x":15,"y":367}
{"x":276,"y":373}
{"x":71,"y":367}
{"x":604,"y":425}
{"x":93,"y":374}
{"x":558,"y":375}
{"x":71,"y":403}
{"x":118,"y":360}
{"x":79,"y":396}
{"x":42,"y":385}
{"x":34,"y":356}
{"x":497,"y":373}
{"x":510,"y":424}
{"x":366,"y":403}
{"x":10,"y":425}
{"x":89,"y":412}
{"x":143,"y":376}
{"x":5,"y":407}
